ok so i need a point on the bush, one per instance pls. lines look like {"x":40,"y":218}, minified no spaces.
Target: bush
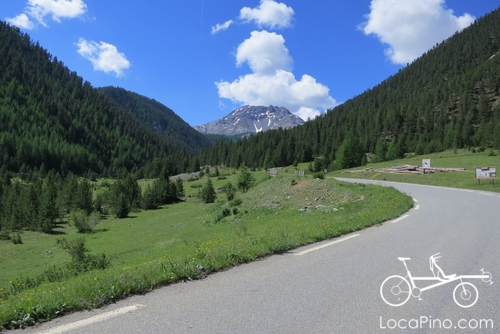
{"x":226,"y":212}
{"x":229,"y":190}
{"x":319,"y":175}
{"x":16,"y":239}
{"x":236,"y":202}
{"x":293,"y":182}
{"x":207,"y":193}
{"x":83,"y":222}
{"x":4,"y":235}
{"x":81,"y":261}
{"x":235,"y":211}
{"x":245,"y":179}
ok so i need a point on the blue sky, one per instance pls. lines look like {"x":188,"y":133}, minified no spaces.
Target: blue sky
{"x":205,"y":58}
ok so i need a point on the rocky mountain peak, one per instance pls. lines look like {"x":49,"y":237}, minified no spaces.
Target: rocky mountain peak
{"x":251,"y":119}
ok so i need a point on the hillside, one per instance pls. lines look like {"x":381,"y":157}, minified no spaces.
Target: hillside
{"x":158,"y":117}
{"x":449,"y":97}
{"x":251,"y":119}
{"x":52,"y":119}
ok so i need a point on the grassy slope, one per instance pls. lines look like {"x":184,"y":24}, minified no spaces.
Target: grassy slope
{"x":183,"y":241}
{"x":462,"y":158}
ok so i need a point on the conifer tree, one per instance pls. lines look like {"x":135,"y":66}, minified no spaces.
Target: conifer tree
{"x":244,"y":179}
{"x":207,"y":193}
{"x":48,"y":208}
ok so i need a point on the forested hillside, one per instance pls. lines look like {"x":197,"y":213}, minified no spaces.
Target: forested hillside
{"x":52,"y":119}
{"x":447,"y":98}
{"x":159,"y":118}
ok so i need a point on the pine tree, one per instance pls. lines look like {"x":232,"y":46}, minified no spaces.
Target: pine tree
{"x":48,"y":206}
{"x":244,"y":179}
{"x":83,"y":198}
{"x":179,"y":186}
{"x":207,"y":193}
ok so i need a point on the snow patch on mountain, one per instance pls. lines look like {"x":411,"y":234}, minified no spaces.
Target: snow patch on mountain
{"x":251,"y":119}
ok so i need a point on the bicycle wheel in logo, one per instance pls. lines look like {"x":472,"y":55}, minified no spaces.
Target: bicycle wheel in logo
{"x":465,"y":294}
{"x":395,"y":290}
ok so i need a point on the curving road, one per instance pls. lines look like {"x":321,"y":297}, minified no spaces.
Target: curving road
{"x":334,"y":286}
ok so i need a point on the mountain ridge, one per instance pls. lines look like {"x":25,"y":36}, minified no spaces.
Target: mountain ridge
{"x":158,"y":117}
{"x":251,"y":119}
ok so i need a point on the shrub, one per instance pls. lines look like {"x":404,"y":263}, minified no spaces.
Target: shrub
{"x":293,"y":182}
{"x":81,"y":261}
{"x":16,"y":239}
{"x":207,"y":193}
{"x":229,"y":190}
{"x":83,"y":222}
{"x":236,"y":202}
{"x":226,"y":212}
{"x":245,"y":179}
{"x":235,"y":211}
{"x":219,"y":217}
{"x":319,"y":175}
{"x":4,"y":235}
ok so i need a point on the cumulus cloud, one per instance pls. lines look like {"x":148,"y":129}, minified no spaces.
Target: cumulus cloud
{"x":411,"y":27}
{"x":56,"y":9}
{"x":105,"y":57}
{"x":264,"y":52}
{"x":220,"y":27}
{"x":21,"y":21}
{"x":271,"y":82}
{"x":269,"y":14}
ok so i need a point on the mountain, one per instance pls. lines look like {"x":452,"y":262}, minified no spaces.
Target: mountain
{"x":447,"y":98}
{"x":159,"y":118}
{"x":251,"y":119}
{"x":50,"y":118}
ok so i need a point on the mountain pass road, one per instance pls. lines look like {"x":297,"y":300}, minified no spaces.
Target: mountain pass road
{"x":335,"y":286}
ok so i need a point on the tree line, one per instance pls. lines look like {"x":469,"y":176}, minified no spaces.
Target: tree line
{"x":50,"y":116}
{"x":447,"y":98}
{"x":41,"y":203}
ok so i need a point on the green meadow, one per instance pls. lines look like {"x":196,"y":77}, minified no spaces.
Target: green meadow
{"x":467,"y":159}
{"x":184,"y":241}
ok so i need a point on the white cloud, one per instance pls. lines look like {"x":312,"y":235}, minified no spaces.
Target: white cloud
{"x":57,"y":9}
{"x":105,"y":57}
{"x":307,"y":113}
{"x":269,"y":13}
{"x":271,"y":82}
{"x":265,"y":52}
{"x":21,"y":21}
{"x":412,"y":27}
{"x":220,"y":27}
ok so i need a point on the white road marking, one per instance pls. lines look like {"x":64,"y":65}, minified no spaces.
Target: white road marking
{"x":467,"y":190}
{"x":415,"y":200}
{"x":417,"y":207}
{"x":91,"y":320}
{"x":486,"y":194}
{"x":326,"y":245}
{"x":399,"y":219}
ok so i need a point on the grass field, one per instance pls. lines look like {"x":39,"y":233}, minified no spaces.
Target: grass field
{"x":462,"y":158}
{"x":187,"y":240}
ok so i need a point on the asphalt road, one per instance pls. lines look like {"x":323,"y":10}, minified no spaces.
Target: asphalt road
{"x":335,"y":287}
